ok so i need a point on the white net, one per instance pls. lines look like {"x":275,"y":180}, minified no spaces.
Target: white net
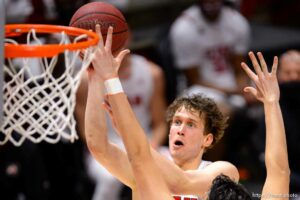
{"x":39,"y":103}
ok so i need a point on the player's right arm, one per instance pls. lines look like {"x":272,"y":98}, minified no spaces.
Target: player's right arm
{"x":107,"y":154}
{"x":276,"y":158}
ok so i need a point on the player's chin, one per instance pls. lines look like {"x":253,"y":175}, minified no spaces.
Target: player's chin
{"x":176,"y":147}
{"x":176,"y":153}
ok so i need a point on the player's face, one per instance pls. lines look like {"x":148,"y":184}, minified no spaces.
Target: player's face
{"x":288,"y":71}
{"x":211,"y":8}
{"x":186,"y":138}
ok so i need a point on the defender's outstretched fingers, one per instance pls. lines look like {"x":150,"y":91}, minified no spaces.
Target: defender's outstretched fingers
{"x":275,"y":66}
{"x":255,"y":64}
{"x":108,"y":41}
{"x":263,"y":63}
{"x":249,"y":72}
{"x":251,"y":90}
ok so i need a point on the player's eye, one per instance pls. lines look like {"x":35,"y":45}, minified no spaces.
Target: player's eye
{"x":176,"y":122}
{"x":190,"y":124}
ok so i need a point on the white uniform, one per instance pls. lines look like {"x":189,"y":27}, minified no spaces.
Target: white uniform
{"x":138,"y":87}
{"x":196,"y":42}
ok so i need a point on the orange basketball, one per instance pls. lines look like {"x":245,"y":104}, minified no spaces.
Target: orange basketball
{"x":88,"y":15}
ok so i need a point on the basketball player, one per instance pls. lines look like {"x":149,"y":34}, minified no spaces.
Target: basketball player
{"x":143,"y":81}
{"x":187,"y":142}
{"x":152,"y":176}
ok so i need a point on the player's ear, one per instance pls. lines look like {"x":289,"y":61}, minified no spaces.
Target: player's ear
{"x":208,"y":140}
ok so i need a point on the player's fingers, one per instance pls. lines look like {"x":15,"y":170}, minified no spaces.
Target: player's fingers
{"x":248,"y":71}
{"x":98,"y":31}
{"x":275,"y":66}
{"x":255,"y":64}
{"x":108,"y":41}
{"x":263,"y":63}
{"x":121,"y":55}
{"x":251,"y":90}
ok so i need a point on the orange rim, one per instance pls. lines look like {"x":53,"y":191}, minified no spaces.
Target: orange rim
{"x":45,"y":50}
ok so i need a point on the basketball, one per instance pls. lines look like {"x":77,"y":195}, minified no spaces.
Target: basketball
{"x":90,"y":14}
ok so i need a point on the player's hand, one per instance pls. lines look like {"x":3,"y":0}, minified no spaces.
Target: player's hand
{"x":267,"y":89}
{"x":105,"y":65}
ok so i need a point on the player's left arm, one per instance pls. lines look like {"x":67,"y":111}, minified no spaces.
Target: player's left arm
{"x":276,"y":185}
{"x":158,"y":107}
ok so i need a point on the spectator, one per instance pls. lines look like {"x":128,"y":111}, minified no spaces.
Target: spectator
{"x":17,"y":11}
{"x":289,"y":66}
{"x":211,"y":52}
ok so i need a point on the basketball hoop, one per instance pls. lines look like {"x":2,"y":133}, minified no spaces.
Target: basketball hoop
{"x":37,"y":105}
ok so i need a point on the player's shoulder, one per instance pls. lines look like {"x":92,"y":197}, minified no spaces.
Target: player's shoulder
{"x":235,"y":21}
{"x":234,"y":16}
{"x":222,"y":163}
{"x":187,"y":19}
{"x":223,"y":167}
{"x":156,"y":71}
{"x":190,"y":14}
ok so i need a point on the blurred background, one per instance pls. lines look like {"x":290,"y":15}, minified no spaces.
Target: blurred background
{"x":59,"y":171}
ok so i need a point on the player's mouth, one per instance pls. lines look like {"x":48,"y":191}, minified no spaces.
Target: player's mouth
{"x":178,"y":144}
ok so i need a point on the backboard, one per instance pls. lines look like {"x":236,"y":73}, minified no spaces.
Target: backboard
{"x":2,"y":22}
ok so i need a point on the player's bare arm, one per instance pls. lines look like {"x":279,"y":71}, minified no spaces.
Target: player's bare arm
{"x":276,"y":158}
{"x":109,"y":155}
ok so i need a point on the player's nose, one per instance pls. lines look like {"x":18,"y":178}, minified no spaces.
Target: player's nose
{"x":181,"y":130}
